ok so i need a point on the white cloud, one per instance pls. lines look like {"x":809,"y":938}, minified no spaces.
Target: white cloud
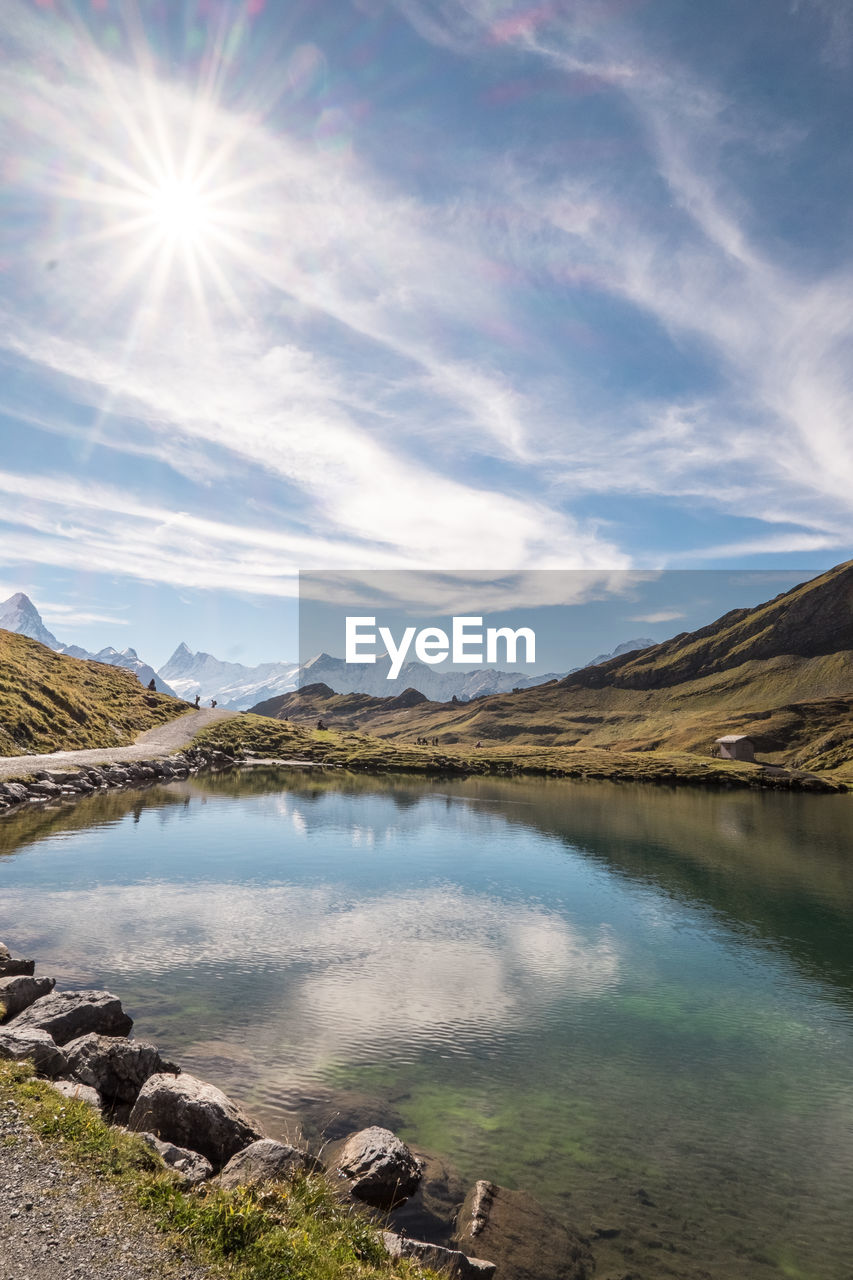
{"x":660,"y":615}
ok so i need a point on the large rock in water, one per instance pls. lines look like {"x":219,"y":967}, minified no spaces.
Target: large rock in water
{"x":190,"y":1113}
{"x":525,"y":1241}
{"x":13,"y":967}
{"x":116,"y":1067}
{"x":30,"y":1042}
{"x":380,"y":1169}
{"x":263,"y":1161}
{"x":68,"y":1014}
{"x":19,"y":992}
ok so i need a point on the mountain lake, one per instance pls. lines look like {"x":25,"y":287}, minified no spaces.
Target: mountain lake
{"x":634,"y":1002}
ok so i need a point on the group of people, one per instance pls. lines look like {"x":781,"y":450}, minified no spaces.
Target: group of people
{"x":427,"y":742}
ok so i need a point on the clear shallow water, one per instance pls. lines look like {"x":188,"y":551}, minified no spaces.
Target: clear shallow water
{"x":636,"y":1004}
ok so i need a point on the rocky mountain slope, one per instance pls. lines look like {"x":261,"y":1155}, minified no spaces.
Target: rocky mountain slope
{"x":20,"y":615}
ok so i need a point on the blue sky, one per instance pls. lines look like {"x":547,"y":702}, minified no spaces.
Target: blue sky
{"x":413,"y":284}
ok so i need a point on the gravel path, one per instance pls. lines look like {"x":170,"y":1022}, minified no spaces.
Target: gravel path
{"x":160,"y":741}
{"x":56,"y":1223}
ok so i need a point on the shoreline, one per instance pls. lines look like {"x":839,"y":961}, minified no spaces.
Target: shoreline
{"x":46,"y":786}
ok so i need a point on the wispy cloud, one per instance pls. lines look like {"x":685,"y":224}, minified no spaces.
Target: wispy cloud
{"x":660,"y":615}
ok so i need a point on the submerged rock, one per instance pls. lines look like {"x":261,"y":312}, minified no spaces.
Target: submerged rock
{"x":17,"y":993}
{"x":380,"y":1169}
{"x":66,"y":1015}
{"x":31,"y":1042}
{"x":264,"y":1161}
{"x":189,"y":1165}
{"x":116,"y":1067}
{"x":191,"y":1113}
{"x":524,"y":1240}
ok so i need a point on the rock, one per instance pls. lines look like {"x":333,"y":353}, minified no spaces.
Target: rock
{"x":66,"y":1015}
{"x":48,"y":1059}
{"x":450,"y":1262}
{"x":18,"y":993}
{"x":44,"y":787}
{"x":5,"y":953}
{"x":379,"y":1167}
{"x":79,"y":1092}
{"x":263,"y":1161}
{"x":431,"y":1212}
{"x":525,"y":1241}
{"x":189,"y":1112}
{"x":11,"y":967}
{"x":192,"y":1167}
{"x":16,"y":791}
{"x":116,"y":1067}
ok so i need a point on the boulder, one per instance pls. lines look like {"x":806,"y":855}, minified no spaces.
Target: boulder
{"x":5,"y":953}
{"x":191,"y":1113}
{"x":48,"y":1059}
{"x":525,"y":1241}
{"x":191,"y":1167}
{"x":78,"y":1092}
{"x":18,"y":993}
{"x":263,"y":1161}
{"x":12,"y":967}
{"x":116,"y":1067}
{"x":450,"y":1262}
{"x":16,"y":791}
{"x":66,"y":1015}
{"x":380,"y":1169}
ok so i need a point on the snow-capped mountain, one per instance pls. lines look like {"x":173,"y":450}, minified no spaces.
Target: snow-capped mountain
{"x":19,"y":614}
{"x":129,"y":659}
{"x":232,"y":684}
{"x":438,"y":686}
{"x":628,"y":646}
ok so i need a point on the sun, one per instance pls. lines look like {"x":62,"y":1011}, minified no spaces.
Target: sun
{"x":180,"y":211}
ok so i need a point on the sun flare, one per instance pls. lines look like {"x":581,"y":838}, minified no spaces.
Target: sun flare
{"x":179,"y":209}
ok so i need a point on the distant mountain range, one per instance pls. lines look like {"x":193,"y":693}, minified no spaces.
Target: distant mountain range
{"x":232,"y":685}
{"x":240,"y":688}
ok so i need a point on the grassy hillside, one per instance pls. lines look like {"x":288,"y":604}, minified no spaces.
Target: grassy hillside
{"x":50,"y":702}
{"x":781,"y":672}
{"x":280,"y":740}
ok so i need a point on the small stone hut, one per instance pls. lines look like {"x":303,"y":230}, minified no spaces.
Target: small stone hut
{"x":736,"y":746}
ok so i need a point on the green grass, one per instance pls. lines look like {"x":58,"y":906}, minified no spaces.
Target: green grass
{"x":299,"y":1230}
{"x":360,"y":752}
{"x":50,"y":702}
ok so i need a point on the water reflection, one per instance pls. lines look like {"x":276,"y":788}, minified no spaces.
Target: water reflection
{"x":582,"y":989}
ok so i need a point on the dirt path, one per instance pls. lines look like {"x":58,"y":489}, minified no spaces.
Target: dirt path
{"x":160,"y":741}
{"x":59,"y":1224}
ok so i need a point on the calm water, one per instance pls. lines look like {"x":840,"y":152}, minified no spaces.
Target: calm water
{"x":636,"y":1004}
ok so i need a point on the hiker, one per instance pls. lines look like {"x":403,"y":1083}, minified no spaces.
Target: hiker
{"x":197,"y":698}
{"x":152,"y":685}
{"x":320,"y":724}
{"x":213,"y":702}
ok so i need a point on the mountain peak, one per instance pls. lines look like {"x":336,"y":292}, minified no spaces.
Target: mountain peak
{"x":19,"y":614}
{"x":21,"y":602}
